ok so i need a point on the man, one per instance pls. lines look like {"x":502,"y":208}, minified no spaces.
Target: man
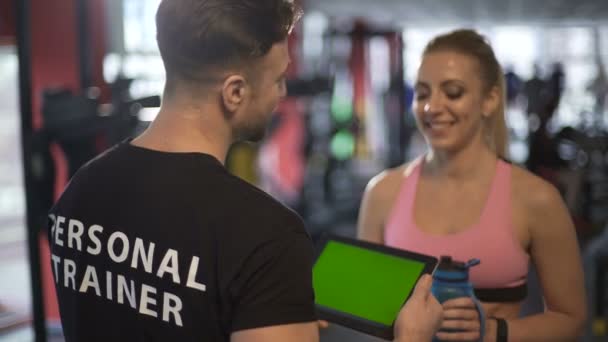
{"x":155,"y":241}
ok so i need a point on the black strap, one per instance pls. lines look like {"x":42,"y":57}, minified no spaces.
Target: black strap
{"x":502,"y":330}
{"x":504,"y":294}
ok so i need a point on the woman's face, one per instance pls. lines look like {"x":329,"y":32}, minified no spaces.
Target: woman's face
{"x":450,"y":100}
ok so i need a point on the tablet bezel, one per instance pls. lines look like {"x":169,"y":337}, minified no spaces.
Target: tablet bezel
{"x":359,"y":323}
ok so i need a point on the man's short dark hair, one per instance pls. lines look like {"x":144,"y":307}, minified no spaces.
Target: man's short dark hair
{"x":197,"y":36}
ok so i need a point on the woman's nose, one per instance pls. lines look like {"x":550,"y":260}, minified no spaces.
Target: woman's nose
{"x":433,"y":105}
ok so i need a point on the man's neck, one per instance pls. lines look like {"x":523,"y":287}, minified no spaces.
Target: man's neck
{"x":182,"y":129}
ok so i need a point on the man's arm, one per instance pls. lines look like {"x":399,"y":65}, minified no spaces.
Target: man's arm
{"x":273,"y":286}
{"x":421,"y":316}
{"x":418,"y":321}
{"x":299,"y":332}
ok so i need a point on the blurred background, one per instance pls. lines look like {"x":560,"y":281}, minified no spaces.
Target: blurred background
{"x":77,"y":76}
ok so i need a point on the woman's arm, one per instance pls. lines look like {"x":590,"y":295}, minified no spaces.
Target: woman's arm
{"x":370,"y":224}
{"x":377,"y":201}
{"x":555,"y":253}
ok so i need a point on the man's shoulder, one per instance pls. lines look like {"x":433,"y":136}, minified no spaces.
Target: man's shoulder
{"x":254,"y":205}
{"x":106,"y":176}
{"x":103,"y":160}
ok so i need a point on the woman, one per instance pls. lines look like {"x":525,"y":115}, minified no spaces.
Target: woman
{"x":463,"y":199}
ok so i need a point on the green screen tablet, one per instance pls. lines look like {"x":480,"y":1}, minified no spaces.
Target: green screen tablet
{"x":363,"y":285}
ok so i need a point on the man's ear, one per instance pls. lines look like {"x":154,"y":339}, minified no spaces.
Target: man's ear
{"x":234,"y":90}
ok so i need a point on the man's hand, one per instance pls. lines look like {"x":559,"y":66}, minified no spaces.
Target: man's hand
{"x":421,"y":316}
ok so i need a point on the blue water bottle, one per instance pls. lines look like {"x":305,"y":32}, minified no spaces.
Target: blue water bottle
{"x":451,"y":280}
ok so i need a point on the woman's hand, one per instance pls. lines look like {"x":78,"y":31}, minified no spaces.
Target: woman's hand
{"x":461,"y":315}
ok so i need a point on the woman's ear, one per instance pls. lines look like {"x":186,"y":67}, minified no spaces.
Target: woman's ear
{"x":234,"y":91}
{"x":491,"y":102}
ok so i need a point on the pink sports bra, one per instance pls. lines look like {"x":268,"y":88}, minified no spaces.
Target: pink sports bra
{"x":501,"y":276}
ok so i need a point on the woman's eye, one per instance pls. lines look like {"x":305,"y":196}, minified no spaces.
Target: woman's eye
{"x":453,"y":95}
{"x":421,"y":96}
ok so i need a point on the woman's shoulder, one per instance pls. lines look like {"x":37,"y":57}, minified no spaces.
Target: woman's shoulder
{"x":383,"y":189}
{"x":534,"y":193}
{"x":389,"y":180}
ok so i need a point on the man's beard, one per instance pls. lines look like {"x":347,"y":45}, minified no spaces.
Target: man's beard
{"x":252,"y":132}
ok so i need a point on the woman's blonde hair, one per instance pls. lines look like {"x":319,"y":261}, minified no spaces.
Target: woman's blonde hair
{"x":471,"y":43}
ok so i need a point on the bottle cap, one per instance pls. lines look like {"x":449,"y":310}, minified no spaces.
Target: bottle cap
{"x":446,"y":263}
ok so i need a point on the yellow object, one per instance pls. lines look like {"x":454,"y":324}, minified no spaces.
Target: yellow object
{"x":241,"y":161}
{"x":600,"y":327}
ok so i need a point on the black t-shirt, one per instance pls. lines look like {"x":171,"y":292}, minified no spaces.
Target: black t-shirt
{"x":155,"y":246}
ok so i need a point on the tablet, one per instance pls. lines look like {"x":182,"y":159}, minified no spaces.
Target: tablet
{"x":362,"y":285}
